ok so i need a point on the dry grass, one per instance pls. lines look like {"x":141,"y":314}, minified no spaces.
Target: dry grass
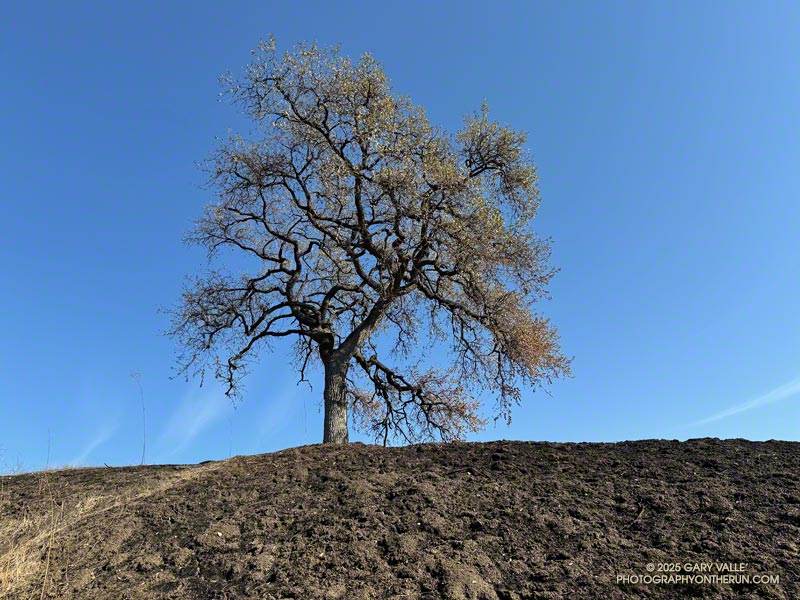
{"x":34,"y":536}
{"x":16,"y":560}
{"x":24,"y":538}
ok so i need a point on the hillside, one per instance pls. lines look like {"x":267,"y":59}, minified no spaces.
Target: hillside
{"x":500,"y":520}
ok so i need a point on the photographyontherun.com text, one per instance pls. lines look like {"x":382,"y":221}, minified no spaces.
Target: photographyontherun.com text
{"x":702,"y":573}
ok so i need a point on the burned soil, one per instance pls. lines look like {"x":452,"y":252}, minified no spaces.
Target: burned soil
{"x":500,"y":520}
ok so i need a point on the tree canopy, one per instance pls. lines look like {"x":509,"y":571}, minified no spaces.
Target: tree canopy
{"x":375,"y":235}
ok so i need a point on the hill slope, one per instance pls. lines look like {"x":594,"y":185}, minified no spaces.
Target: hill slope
{"x":501,"y":520}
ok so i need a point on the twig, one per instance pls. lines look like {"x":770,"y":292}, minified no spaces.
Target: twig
{"x":52,"y":534}
{"x":454,"y":471}
{"x":137,"y":377}
{"x":641,"y":512}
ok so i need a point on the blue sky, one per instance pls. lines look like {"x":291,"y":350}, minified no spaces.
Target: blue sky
{"x":667,"y":138}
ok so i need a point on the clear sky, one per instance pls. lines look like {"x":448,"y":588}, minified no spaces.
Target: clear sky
{"x":667,"y":138}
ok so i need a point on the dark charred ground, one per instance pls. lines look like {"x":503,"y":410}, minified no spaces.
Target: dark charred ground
{"x":501,"y":520}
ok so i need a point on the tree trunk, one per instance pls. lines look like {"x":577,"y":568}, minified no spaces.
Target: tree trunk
{"x":335,"y":402}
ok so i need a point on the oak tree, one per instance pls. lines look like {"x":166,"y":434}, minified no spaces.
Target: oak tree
{"x":374,"y":235}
